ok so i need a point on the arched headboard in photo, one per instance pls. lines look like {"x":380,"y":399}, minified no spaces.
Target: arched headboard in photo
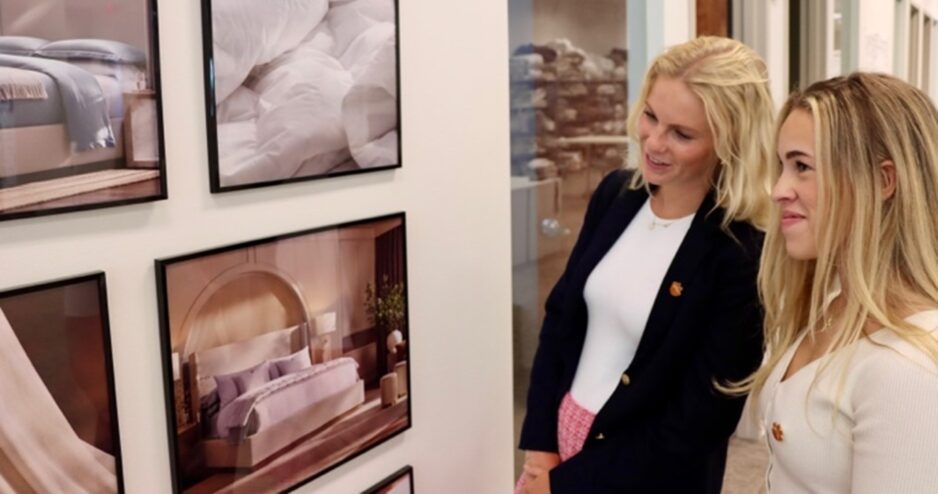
{"x":240,"y":303}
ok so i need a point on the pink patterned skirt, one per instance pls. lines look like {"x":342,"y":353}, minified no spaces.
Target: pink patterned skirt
{"x":573,"y":425}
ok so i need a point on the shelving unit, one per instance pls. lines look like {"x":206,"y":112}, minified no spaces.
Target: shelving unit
{"x":577,"y":124}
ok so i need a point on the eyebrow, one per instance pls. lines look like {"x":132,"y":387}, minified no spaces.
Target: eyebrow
{"x":683,"y":128}
{"x":796,"y":154}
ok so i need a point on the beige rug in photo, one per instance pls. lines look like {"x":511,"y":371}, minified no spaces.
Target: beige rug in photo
{"x":48,"y":190}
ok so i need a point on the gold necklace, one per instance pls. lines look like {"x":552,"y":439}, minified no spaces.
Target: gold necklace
{"x":658,"y":224}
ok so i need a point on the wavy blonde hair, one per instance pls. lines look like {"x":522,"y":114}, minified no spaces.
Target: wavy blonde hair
{"x":732,"y":82}
{"x":882,"y":250}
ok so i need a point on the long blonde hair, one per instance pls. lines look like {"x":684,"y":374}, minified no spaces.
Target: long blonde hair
{"x":732,"y":82}
{"x":884,"y":250}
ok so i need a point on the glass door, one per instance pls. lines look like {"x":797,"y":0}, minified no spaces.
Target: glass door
{"x":568,"y":111}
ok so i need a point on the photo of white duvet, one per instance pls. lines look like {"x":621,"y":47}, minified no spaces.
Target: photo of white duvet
{"x":300,"y":89}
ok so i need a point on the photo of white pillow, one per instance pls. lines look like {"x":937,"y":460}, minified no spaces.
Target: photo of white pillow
{"x":291,"y":363}
{"x":20,"y":45}
{"x":93,"y":49}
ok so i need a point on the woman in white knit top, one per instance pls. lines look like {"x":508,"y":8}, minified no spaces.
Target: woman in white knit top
{"x":849,"y":279}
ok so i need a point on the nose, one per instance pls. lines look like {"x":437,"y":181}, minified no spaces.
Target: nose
{"x":655,"y":143}
{"x":783,"y":191}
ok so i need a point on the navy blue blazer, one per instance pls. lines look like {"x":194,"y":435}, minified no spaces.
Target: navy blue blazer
{"x":665,"y":427}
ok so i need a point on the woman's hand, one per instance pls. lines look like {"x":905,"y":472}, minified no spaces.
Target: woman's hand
{"x":537,"y":465}
{"x":540,"y":484}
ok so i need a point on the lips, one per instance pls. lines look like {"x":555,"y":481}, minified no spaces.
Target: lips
{"x":656,"y":165}
{"x":790,"y":218}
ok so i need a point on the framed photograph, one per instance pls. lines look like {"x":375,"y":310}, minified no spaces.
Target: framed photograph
{"x":59,"y":411}
{"x":399,"y":482}
{"x":284,"y":357}
{"x":300,"y":90}
{"x":80,"y":108}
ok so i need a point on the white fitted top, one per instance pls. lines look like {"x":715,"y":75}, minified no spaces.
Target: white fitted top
{"x":619,"y":296}
{"x":885,"y":437}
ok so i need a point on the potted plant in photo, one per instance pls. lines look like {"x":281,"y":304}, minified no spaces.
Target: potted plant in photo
{"x":385,"y":305}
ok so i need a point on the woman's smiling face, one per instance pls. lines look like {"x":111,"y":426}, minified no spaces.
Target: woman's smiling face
{"x":676,"y":142}
{"x":796,"y":189}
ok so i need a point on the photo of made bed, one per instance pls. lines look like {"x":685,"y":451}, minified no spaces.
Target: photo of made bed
{"x":276,"y":370}
{"x":80,"y":119}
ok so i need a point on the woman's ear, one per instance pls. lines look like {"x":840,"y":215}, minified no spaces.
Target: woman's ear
{"x":887,"y":170}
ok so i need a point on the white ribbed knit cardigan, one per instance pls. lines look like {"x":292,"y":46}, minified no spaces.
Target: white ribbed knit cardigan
{"x":879,"y":436}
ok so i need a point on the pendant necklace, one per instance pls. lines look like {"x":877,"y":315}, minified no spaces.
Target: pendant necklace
{"x":659,"y":224}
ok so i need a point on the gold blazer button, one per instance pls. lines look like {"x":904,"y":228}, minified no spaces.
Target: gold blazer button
{"x":676,"y":289}
{"x":600,"y":436}
{"x":626,"y":380}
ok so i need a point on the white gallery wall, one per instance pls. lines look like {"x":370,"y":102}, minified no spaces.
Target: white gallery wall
{"x":878,"y":40}
{"x":875,"y":39}
{"x":881,"y":38}
{"x":454,"y":188}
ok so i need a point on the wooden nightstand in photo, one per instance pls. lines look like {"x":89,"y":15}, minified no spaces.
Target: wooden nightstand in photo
{"x":191,"y":457}
{"x":141,"y":135}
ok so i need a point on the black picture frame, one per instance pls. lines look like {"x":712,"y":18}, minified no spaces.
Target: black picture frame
{"x":74,"y":312}
{"x":269,"y":292}
{"x":321,"y":164}
{"x":382,"y":487}
{"x":63,"y":179}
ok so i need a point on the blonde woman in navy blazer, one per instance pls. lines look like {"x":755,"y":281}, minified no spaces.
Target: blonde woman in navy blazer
{"x":688,"y":219}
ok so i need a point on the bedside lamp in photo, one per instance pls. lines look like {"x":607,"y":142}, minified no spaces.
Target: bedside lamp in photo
{"x":177,"y":372}
{"x":324,"y":324}
{"x":179,"y":393}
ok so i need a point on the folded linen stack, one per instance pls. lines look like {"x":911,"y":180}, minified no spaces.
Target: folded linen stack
{"x":580,"y":95}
